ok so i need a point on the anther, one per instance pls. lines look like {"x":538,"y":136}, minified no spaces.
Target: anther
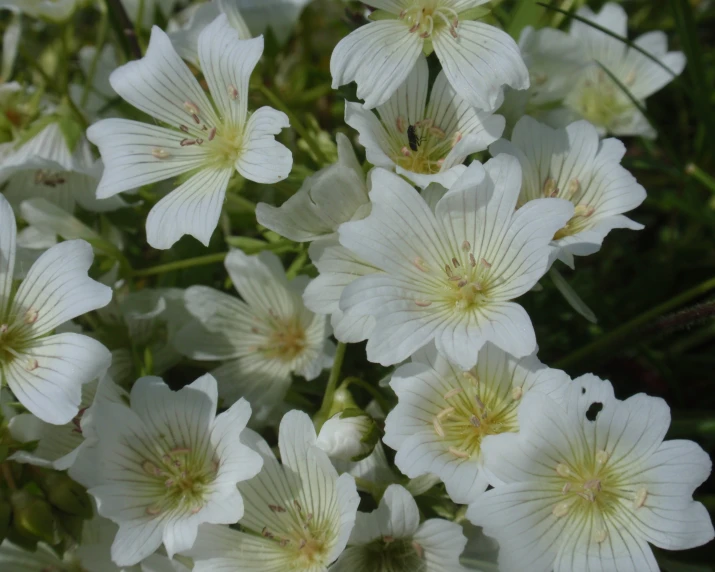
{"x":472,"y":260}
{"x":474,"y":420}
{"x":448,"y":270}
{"x":561,"y":509}
{"x":458,"y":453}
{"x":466,"y":247}
{"x":158,"y":153}
{"x":266,"y":533}
{"x":31,"y":316}
{"x":420,"y":264}
{"x":400,"y":124}
{"x":471,"y":377}
{"x":566,"y":488}
{"x":418,"y":549}
{"x":3,"y":329}
{"x":199,"y":141}
{"x":151,"y":469}
{"x":573,"y":188}
{"x":196,"y":119}
{"x":212,"y":134}
{"x":549,"y":187}
{"x":452,"y":392}
{"x":640,"y":498}
{"x":517,"y":393}
{"x":437,"y":132}
{"x":233,"y":92}
{"x":455,"y":278}
{"x":456,"y":138}
{"x":191,"y":108}
{"x":406,"y":152}
{"x":485,"y":263}
{"x":184,"y":128}
{"x":153,"y":510}
{"x":480,"y":403}
{"x":584,"y":210}
{"x":32,"y":365}
{"x":563,"y":470}
{"x":462,"y":283}
{"x":423,"y":303}
{"x":602,"y":457}
{"x":187,"y":142}
{"x":455,"y":263}
{"x":437,"y":427}
{"x":446,"y":412}
{"x":601,"y":535}
{"x":197,"y":509}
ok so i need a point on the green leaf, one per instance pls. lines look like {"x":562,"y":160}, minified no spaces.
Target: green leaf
{"x":527,"y":13}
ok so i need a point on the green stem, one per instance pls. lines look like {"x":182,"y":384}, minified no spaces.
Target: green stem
{"x":697,"y":173}
{"x":376,"y":395}
{"x":295,"y":123}
{"x":614,"y":341}
{"x":322,"y":415}
{"x":180,"y":265}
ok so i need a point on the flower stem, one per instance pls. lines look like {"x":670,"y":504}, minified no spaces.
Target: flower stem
{"x":7,"y":473}
{"x":322,"y":415}
{"x":101,"y":40}
{"x":295,"y":123}
{"x":124,"y":29}
{"x":615,"y":340}
{"x":180,"y":264}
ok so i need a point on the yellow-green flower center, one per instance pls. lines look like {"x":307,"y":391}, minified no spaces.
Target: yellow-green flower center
{"x":428,"y":17}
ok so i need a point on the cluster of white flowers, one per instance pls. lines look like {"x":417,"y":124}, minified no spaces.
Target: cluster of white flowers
{"x":423,"y":257}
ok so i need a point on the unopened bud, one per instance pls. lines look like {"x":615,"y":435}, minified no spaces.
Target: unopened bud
{"x":33,"y":517}
{"x":349,"y":436}
{"x":67,"y":495}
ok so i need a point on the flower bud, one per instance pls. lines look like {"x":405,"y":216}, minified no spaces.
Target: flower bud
{"x":67,"y":495}
{"x":350,"y":435}
{"x":33,"y":517}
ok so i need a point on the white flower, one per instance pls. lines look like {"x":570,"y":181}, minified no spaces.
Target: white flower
{"x":348,"y":436}
{"x":168,"y":464}
{"x":589,"y":482}
{"x":185,"y":29}
{"x":334,"y":195}
{"x":262,"y":339}
{"x":47,"y":167}
{"x":206,"y":140}
{"x":593,"y":95}
{"x":54,"y":10}
{"x":450,"y":275}
{"x":572,"y":164}
{"x":299,"y":514}
{"x":444,"y":413}
{"x":46,"y":372}
{"x":477,"y":59}
{"x":425,"y":142}
{"x":391,"y":539}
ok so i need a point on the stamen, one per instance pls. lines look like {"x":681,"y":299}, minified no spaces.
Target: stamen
{"x":448,"y":270}
{"x":517,"y":393}
{"x":423,"y":303}
{"x":462,"y":283}
{"x":466,"y":247}
{"x":601,"y":535}
{"x":418,"y":549}
{"x":406,"y":152}
{"x":400,"y":124}
{"x":266,"y":533}
{"x":420,"y":264}
{"x":446,"y":412}
{"x":437,"y":427}
{"x":153,"y":510}
{"x":197,"y":509}
{"x":184,"y":128}
{"x":561,"y":509}
{"x":32,"y":365}
{"x":471,"y":377}
{"x":474,"y":420}
{"x":31,"y":316}
{"x":458,"y":453}
{"x":485,"y":263}
{"x":452,"y":392}
{"x":233,"y":92}
{"x":584,"y":210}
{"x":187,"y":142}
{"x":573,"y":188}
{"x":437,"y":132}
{"x":158,"y":153}
{"x":455,"y":263}
{"x":456,"y":138}
{"x":549,"y":188}
{"x":566,"y":488}
{"x":3,"y":329}
{"x":602,"y":457}
{"x":563,"y":470}
{"x":199,"y":141}
{"x":196,"y":119}
{"x":151,"y":469}
{"x":640,"y":498}
{"x":212,"y":134}
{"x":472,"y":260}
{"x":191,"y":108}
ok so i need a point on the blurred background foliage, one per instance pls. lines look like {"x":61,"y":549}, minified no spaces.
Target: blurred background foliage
{"x":653,"y":291}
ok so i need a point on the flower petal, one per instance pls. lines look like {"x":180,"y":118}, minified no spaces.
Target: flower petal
{"x":263,"y":159}
{"x":480,"y":62}
{"x":192,"y":208}
{"x":8,"y":235}
{"x":378,"y":57}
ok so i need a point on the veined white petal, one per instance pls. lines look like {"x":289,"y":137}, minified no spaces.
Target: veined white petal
{"x":137,"y":154}
{"x":8,"y":235}
{"x":280,"y":16}
{"x":482,"y":56}
{"x":162,"y":85}
{"x":227,"y":63}
{"x":192,"y":208}
{"x":371,"y":134}
{"x":261,"y":281}
{"x":262,"y":158}
{"x":48,"y":377}
{"x":408,"y":102}
{"x":378,"y":57}
{"x":57,"y":289}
